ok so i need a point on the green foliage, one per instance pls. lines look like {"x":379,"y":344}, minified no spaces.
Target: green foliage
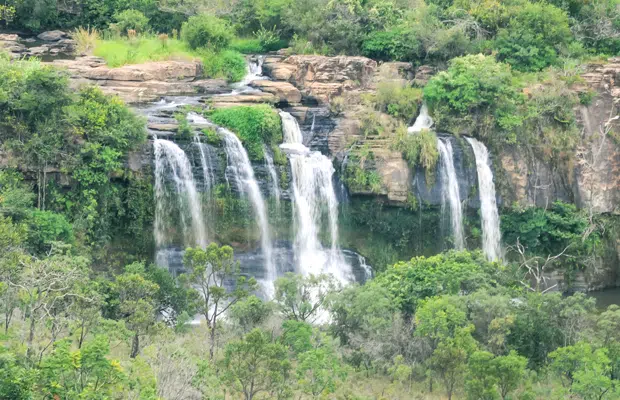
{"x":47,"y":227}
{"x":393,"y":44}
{"x":247,"y":45}
{"x":119,"y":52}
{"x":475,"y":95}
{"x":250,"y":312}
{"x":84,"y":373}
{"x":302,"y":298}
{"x":560,"y":229}
{"x":255,"y":365}
{"x":419,"y":149}
{"x":206,"y":31}
{"x":254,"y":125}
{"x":447,"y":273}
{"x":130,"y":19}
{"x":534,"y":37}
{"x":227,"y":64}
{"x":319,"y":371}
{"x":492,"y":377}
{"x":398,"y":101}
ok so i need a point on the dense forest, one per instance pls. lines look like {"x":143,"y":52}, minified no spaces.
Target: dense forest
{"x":89,"y":312}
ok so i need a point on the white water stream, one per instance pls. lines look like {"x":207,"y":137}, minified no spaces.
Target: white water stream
{"x":491,"y":235}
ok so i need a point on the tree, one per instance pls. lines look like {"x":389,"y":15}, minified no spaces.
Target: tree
{"x":250,"y":312}
{"x":47,"y":287}
{"x":449,"y":360}
{"x":209,"y":269}
{"x":481,"y":381}
{"x":206,"y":31}
{"x":509,"y":371}
{"x":255,"y":364}
{"x":584,"y":370}
{"x":423,"y":277}
{"x":84,"y":373}
{"x":608,"y":334}
{"x":535,"y":35}
{"x":319,"y":371}
{"x":136,"y":302}
{"x":302,"y":297}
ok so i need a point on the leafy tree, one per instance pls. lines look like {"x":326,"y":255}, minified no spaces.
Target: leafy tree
{"x":209,"y":270}
{"x":583,"y":369}
{"x":46,"y":288}
{"x":302,"y":298}
{"x":608,"y":334}
{"x":535,"y":36}
{"x":319,"y":371}
{"x":475,"y":95}
{"x":16,"y":381}
{"x":481,"y":381}
{"x":85,"y":373}
{"x":250,"y":312}
{"x":206,"y":31}
{"x":136,"y":296}
{"x":255,"y":365}
{"x":449,"y":360}
{"x":298,"y":336}
{"x":47,"y":227}
{"x":130,"y":19}
{"x":424,"y":277}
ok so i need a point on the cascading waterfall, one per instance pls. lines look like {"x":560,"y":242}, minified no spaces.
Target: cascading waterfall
{"x":241,"y":169}
{"x":170,"y":159}
{"x":314,"y":198}
{"x":275,"y":182}
{"x":491,"y":235}
{"x":423,"y":121}
{"x":450,"y":192}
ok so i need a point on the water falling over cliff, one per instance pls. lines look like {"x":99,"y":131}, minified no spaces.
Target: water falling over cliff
{"x":240,"y":168}
{"x":450,"y":192}
{"x":315,"y":200}
{"x":172,"y":164}
{"x":491,"y":235}
{"x":423,"y":121}
{"x":273,"y":175}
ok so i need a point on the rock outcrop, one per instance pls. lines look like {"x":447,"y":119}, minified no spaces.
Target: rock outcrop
{"x":142,"y":82}
{"x":320,"y":78}
{"x":592,"y":179}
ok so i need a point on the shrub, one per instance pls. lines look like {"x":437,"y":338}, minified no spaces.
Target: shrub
{"x":246,"y":45}
{"x":86,"y":39}
{"x":395,"y":44}
{"x":534,"y":37}
{"x":206,"y":31}
{"x":419,"y":149}
{"x":337,"y":105}
{"x":47,"y":227}
{"x":475,"y":95}
{"x":269,"y":38}
{"x":254,"y":125}
{"x":397,"y":100}
{"x":227,"y":64}
{"x":130,"y":20}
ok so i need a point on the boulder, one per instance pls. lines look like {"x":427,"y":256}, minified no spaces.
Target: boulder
{"x":35,"y":51}
{"x":284,"y":91}
{"x":52,"y":36}
{"x":9,"y":37}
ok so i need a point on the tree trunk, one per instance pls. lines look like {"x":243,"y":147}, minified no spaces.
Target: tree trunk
{"x":212,"y":344}
{"x":31,"y":335}
{"x":135,"y":346}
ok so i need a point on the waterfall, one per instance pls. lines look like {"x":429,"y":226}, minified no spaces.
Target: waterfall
{"x":423,"y":121}
{"x":450,"y":191}
{"x":275,"y":183}
{"x":241,"y":169}
{"x":170,"y":158}
{"x":206,"y":163}
{"x":491,"y":235}
{"x":315,"y":199}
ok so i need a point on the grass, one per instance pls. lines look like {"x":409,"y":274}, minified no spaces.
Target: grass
{"x":246,"y":45}
{"x":119,"y":52}
{"x":86,"y":39}
{"x":228,"y":64}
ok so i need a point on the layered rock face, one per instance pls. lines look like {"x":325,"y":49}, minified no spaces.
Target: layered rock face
{"x":593,"y":181}
{"x":142,"y":82}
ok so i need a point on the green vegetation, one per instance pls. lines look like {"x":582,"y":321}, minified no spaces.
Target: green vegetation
{"x":419,"y":149}
{"x":256,"y":126}
{"x":205,"y":31}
